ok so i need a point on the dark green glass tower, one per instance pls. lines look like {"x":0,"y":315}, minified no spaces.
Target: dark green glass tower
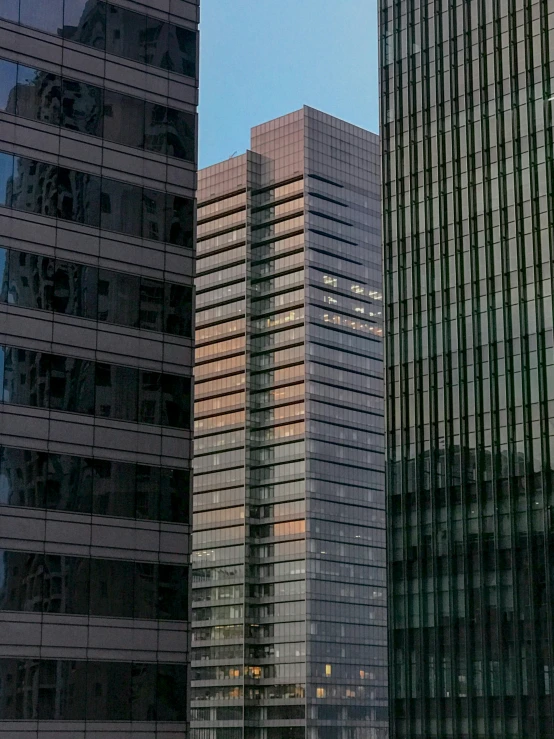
{"x":468,"y":243}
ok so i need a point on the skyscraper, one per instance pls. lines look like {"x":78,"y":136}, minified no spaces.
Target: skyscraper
{"x":468,"y":244}
{"x":97,"y":185}
{"x":289,"y":624}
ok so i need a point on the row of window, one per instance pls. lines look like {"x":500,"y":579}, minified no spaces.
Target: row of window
{"x":98,"y":202}
{"x":65,"y":483}
{"x":61,"y":383}
{"x":110,"y":28}
{"x":52,"y":583}
{"x":70,"y":690}
{"x":35,"y":281}
{"x":78,"y":106}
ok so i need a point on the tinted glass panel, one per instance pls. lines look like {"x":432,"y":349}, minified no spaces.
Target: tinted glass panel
{"x":178,"y":310}
{"x":126,"y":32}
{"x":81,"y":107}
{"x":6,"y":178}
{"x":23,"y":476}
{"x":121,"y":207}
{"x":38,"y":95}
{"x":172,"y":593}
{"x":151,"y":304}
{"x":8,"y":79}
{"x":118,"y":298}
{"x":35,"y":187}
{"x":157,"y":40}
{"x":114,"y":489}
{"x":62,"y":690}
{"x":20,"y":581}
{"x":75,"y":289}
{"x":46,"y":15}
{"x":176,"y":401}
{"x":172,"y":693}
{"x":108,"y":691}
{"x":111,"y":588}
{"x":123,"y":119}
{"x":85,"y":22}
{"x":116,"y":392}
{"x":155,"y":128}
{"x":148,"y":492}
{"x":182,"y":51}
{"x":31,"y":280}
{"x":153,"y":214}
{"x":149,"y":396}
{"x":146,"y":590}
{"x":69,"y":483}
{"x":79,"y":197}
{"x":181,"y":135}
{"x":72,"y":385}
{"x":180,"y":221}
{"x":9,"y":9}
{"x":25,"y":377}
{"x":66,"y":584}
{"x":4,"y":274}
{"x":143,"y":698}
{"x":175,"y":496}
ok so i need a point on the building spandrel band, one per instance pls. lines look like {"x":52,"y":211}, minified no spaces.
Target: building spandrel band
{"x":289,"y":586}
{"x":98,"y":147}
{"x":468,"y":210}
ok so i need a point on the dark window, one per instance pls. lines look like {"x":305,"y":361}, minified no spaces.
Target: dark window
{"x":35,"y":187}
{"x":75,"y":289}
{"x":143,"y":692}
{"x":4,"y":274}
{"x":182,"y":50}
{"x":81,"y":107}
{"x":72,"y":385}
{"x":20,"y":581}
{"x":116,"y":392}
{"x":118,"y":298}
{"x":121,"y":207}
{"x":6,"y":179}
{"x":126,"y":33}
{"x":181,"y":139}
{"x":153,"y":215}
{"x":180,"y":220}
{"x":148,"y":492}
{"x":66,"y":584}
{"x":178,"y":310}
{"x":31,"y":280}
{"x":156,"y":43}
{"x":46,"y":16}
{"x":151,"y":304}
{"x":9,"y":9}
{"x":155,"y":127}
{"x":175,"y":496}
{"x":69,"y":483}
{"x":176,"y":401}
{"x":111,"y":588}
{"x":38,"y":95}
{"x":173,"y":584}
{"x":150,"y":384}
{"x":63,"y":690}
{"x":108,"y":691}
{"x":79,"y":197}
{"x":23,"y":475}
{"x":146,"y":590}
{"x":123,"y":119}
{"x":85,"y":22}
{"x":114,"y":489}
{"x":8,"y":80}
{"x":25,"y":377}
{"x":172,"y":693}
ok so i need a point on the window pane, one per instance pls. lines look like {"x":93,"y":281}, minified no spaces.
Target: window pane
{"x":108,"y":691}
{"x":175,"y":496}
{"x":4,"y":274}
{"x":125,"y":34}
{"x":6,"y":179}
{"x":46,"y":15}
{"x":20,"y":581}
{"x":69,"y":483}
{"x":23,"y":475}
{"x":180,"y":221}
{"x":151,"y":304}
{"x":9,"y":9}
{"x":176,"y":401}
{"x":157,"y":39}
{"x":79,"y":197}
{"x":148,"y":492}
{"x":149,"y":397}
{"x":155,"y":128}
{"x":123,"y":119}
{"x":38,"y":95}
{"x":118,"y":298}
{"x":85,"y":21}
{"x":143,"y":700}
{"x":114,"y":489}
{"x":72,"y":385}
{"x":173,"y":593}
{"x":182,"y":51}
{"x":75,"y":289}
{"x":146,"y":590}
{"x":8,"y":80}
{"x":25,"y":377}
{"x":181,"y":140}
{"x":31,"y":280}
{"x":35,"y":187}
{"x":111,"y":588}
{"x":178,"y":310}
{"x":116,"y":392}
{"x":66,"y":584}
{"x":153,"y":214}
{"x":172,"y":693}
{"x":62,"y":679}
{"x":121,"y":207}
{"x":81,"y":107}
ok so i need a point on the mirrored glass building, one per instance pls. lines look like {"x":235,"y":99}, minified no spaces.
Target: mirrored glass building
{"x":289,"y":617}
{"x":468,"y":245}
{"x":97,"y":187}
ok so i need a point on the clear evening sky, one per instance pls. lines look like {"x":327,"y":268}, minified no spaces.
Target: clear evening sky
{"x":264,"y":58}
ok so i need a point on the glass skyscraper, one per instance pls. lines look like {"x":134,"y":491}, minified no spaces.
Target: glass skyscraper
{"x":97,"y":187}
{"x":289,"y":617}
{"x":468,"y":248}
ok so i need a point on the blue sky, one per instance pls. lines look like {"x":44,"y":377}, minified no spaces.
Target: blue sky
{"x":263,"y":58}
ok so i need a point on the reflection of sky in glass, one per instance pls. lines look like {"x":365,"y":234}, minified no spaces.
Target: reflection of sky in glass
{"x":6,"y":172}
{"x":73,"y":12}
{"x":8,"y":72}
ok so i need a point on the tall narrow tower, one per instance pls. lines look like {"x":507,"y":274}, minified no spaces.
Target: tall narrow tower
{"x":97,"y":186}
{"x":289,"y":622}
{"x":468,"y":244}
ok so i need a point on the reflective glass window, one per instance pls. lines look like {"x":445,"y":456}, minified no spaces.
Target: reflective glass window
{"x":145,"y":590}
{"x":35,"y":186}
{"x":149,"y":397}
{"x":125,"y":33}
{"x":79,"y":197}
{"x":38,"y":95}
{"x":172,"y":593}
{"x":148,"y":492}
{"x":118,"y":297}
{"x":85,"y":22}
{"x":108,"y":691}
{"x":9,"y":9}
{"x":111,"y":588}
{"x":25,"y":377}
{"x":178,"y":310}
{"x":71,"y":384}
{"x":157,"y":42}
{"x":46,"y":15}
{"x":176,"y":401}
{"x":20,"y":581}
{"x":116,"y":391}
{"x":180,"y":220}
{"x":11,"y":682}
{"x":143,"y":692}
{"x":31,"y":280}
{"x":121,"y":207}
{"x":182,"y":51}
{"x":155,"y":127}
{"x":23,"y":477}
{"x":8,"y":80}
{"x":4,"y":274}
{"x":75,"y":289}
{"x":114,"y":489}
{"x":123,"y":119}
{"x":153,"y":214}
{"x":62,"y":678}
{"x":81,"y":107}
{"x":65,"y":584}
{"x":175,"y":496}
{"x":181,"y":139}
{"x":151,"y":304}
{"x":69,"y":483}
{"x":172,"y":693}
{"x":6,"y":178}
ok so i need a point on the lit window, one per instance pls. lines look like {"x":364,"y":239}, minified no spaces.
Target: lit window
{"x":320,"y":692}
{"x":328,"y":670}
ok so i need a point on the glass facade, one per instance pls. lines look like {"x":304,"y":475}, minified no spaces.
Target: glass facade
{"x":98,"y":150}
{"x":289,"y":586}
{"x":468,"y":207}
